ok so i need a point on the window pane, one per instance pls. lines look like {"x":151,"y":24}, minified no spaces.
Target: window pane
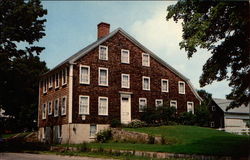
{"x":103,"y":77}
{"x":84,"y":75}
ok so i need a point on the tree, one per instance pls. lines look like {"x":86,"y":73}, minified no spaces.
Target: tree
{"x":20,"y":67}
{"x":207,"y":97}
{"x":223,"y":29}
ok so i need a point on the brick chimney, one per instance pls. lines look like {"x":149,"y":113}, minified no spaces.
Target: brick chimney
{"x":102,"y":30}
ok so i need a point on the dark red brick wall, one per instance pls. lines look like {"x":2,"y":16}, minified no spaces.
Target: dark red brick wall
{"x":51,"y":95}
{"x":156,"y":72}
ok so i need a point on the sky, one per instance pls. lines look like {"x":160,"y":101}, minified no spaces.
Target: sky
{"x":72,"y":25}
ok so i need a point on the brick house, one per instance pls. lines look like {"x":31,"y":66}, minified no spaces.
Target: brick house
{"x":113,"y":78}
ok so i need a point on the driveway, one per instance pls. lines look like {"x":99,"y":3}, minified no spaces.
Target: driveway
{"x":27,"y":156}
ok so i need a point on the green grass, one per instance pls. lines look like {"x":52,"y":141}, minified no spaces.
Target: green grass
{"x":188,"y":140}
{"x":8,"y":135}
{"x":23,"y":134}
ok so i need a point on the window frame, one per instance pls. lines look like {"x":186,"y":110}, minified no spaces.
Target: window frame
{"x":80,"y":73}
{"x":212,"y":124}
{"x":99,"y":76}
{"x":140,"y":108}
{"x":50,"y":109}
{"x":63,"y":114}
{"x":56,"y":114}
{"x":64,"y":76}
{"x":128,"y":60}
{"x":50,"y":81}
{"x":85,"y":96}
{"x":106,"y":59}
{"x":44,"y":110}
{"x":145,"y":77}
{"x":96,"y":130}
{"x":213,"y":108}
{"x":123,"y":74}
{"x":170,"y":104}
{"x":45,"y":87}
{"x":184,"y":90}
{"x":99,"y":103}
{"x":57,"y":78}
{"x":156,"y":105}
{"x":190,"y":102}
{"x":147,"y":65}
{"x":164,"y":80}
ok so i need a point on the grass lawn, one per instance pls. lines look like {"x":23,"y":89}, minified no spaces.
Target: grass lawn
{"x":23,"y":134}
{"x":8,"y":135}
{"x":187,"y":139}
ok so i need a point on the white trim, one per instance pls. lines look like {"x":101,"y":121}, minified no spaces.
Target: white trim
{"x":123,"y":79}
{"x":107,"y":107}
{"x":44,"y":110}
{"x":50,"y":113}
{"x":128,"y":60}
{"x":106,"y":52}
{"x":146,"y":54}
{"x":170,"y":104}
{"x":63,"y":114}
{"x":64,"y":74}
{"x":45,"y":89}
{"x":57,"y":77}
{"x":145,"y":77}
{"x":59,"y":131}
{"x":58,"y":102}
{"x":80,"y":73}
{"x":140,"y":104}
{"x":189,"y":102}
{"x":160,"y":100}
{"x":83,"y":96}
{"x":99,"y":78}
{"x":184,"y":90}
{"x":164,"y":80}
{"x":50,"y":81}
{"x":70,"y":101}
{"x":212,"y":124}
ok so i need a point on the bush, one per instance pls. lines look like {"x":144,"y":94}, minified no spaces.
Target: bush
{"x":187,"y":118}
{"x":136,"y":124}
{"x":84,"y":147}
{"x":202,"y":116}
{"x":103,"y":136}
{"x":115,"y":123}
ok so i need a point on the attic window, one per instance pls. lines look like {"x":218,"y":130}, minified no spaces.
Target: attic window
{"x":181,"y":87}
{"x":64,"y":76}
{"x":145,"y":59}
{"x":57,"y":80}
{"x":103,"y":53}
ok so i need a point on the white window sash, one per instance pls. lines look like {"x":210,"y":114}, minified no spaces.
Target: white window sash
{"x":50,"y":82}
{"x":64,"y":76}
{"x":158,"y":104}
{"x":84,"y":79}
{"x":103,"y":56}
{"x":57,"y":80}
{"x":144,"y":85}
{"x":125,"y":82}
{"x":56,"y":107}
{"x":142,"y":104}
{"x":44,"y":111}
{"x":180,"y":89}
{"x":92,"y":131}
{"x":163,"y":82}
{"x":190,"y":107}
{"x":145,"y":59}
{"x":49,"y":108}
{"x":64,"y":105}
{"x":173,"y":103}
{"x":125,"y":56}
{"x":103,"y":80}
{"x":83,"y":106}
{"x":103,"y":108}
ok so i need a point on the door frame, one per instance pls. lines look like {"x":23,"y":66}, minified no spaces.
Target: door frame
{"x":129,"y":97}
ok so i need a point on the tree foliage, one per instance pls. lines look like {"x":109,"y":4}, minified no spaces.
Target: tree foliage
{"x":223,"y":29}
{"x":20,"y":67}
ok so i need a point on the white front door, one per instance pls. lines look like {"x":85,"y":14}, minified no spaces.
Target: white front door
{"x":125,"y":108}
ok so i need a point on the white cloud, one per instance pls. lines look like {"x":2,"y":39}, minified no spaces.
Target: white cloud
{"x":163,"y":37}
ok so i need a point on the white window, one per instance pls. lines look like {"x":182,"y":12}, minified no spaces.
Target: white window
{"x":103,"y":105}
{"x":92,"y":131}
{"x":84,"y":74}
{"x":173,"y":103}
{"x":213,"y":108}
{"x":44,"y":111}
{"x":125,"y":56}
{"x":57,"y":80}
{"x":212,"y":124}
{"x":59,"y":131}
{"x":125,"y":81}
{"x":145,"y":83}
{"x":43,"y":133}
{"x":158,"y":103}
{"x":181,"y":87}
{"x":64,"y":105}
{"x":142,"y":104}
{"x":56,"y":107}
{"x":64,"y":76}
{"x":50,"y":82}
{"x":84,"y":105}
{"x":45,"y":86}
{"x":103,"y":76}
{"x":190,"y":107}
{"x":103,"y":52}
{"x":145,"y":59}
{"x":164,"y":85}
{"x":50,"y":108}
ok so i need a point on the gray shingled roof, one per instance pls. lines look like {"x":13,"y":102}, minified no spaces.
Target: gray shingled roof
{"x":87,"y":49}
{"x":224,"y":103}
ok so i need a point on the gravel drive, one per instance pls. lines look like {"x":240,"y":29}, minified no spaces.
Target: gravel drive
{"x":27,"y":156}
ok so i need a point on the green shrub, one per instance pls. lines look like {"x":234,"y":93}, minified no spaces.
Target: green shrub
{"x":84,"y":147}
{"x":136,"y":124}
{"x":115,"y":123}
{"x":187,"y":118}
{"x":202,"y":116}
{"x":103,"y":136}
